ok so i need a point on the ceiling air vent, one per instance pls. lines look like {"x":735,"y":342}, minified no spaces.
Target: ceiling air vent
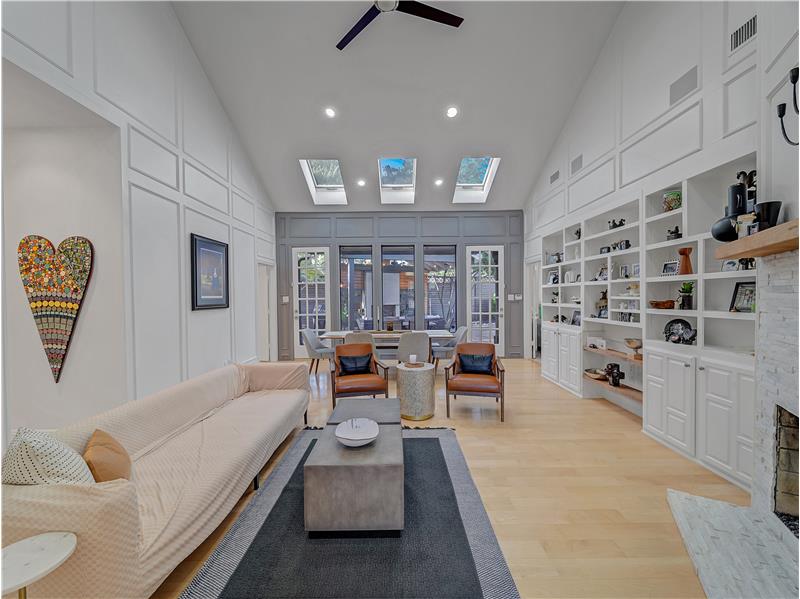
{"x":554,"y":177}
{"x":576,"y":164}
{"x":744,"y":33}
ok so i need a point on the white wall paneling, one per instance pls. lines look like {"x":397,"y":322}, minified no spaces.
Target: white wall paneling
{"x":661,"y":43}
{"x":204,"y":188}
{"x":152,"y":159}
{"x":244,"y":296}
{"x":740,"y":101}
{"x":157,"y":277}
{"x":132,"y":64}
{"x":550,"y":210}
{"x":50,"y":38}
{"x":135,"y":62}
{"x":677,"y":138}
{"x":242,"y":209}
{"x":205,"y":125}
{"x":592,"y":186}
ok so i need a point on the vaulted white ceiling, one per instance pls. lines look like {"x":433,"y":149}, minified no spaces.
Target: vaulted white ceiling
{"x":513,"y":69}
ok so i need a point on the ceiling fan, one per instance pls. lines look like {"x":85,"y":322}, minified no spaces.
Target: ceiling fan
{"x":418,"y":9}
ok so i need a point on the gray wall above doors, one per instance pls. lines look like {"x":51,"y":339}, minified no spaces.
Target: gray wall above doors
{"x":459,"y":228}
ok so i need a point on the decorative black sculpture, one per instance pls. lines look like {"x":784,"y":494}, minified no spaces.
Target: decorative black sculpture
{"x":674,"y":233}
{"x":613,"y":224}
{"x":614,"y":374}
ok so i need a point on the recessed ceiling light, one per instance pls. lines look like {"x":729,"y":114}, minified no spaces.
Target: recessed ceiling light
{"x":438,"y":182}
{"x":452,"y":111}
{"x":330,"y":112}
{"x":361,"y":183}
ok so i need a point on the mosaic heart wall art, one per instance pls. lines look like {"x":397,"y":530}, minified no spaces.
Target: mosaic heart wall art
{"x":55,"y":282}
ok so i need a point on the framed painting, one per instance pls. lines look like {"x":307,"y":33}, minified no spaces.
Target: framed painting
{"x":209,"y":273}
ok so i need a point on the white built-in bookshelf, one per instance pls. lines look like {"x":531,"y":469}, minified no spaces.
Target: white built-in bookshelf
{"x":634,"y":277}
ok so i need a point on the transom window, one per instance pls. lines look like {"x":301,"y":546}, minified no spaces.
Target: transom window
{"x":326,"y":174}
{"x":472,"y":172}
{"x":397,"y":172}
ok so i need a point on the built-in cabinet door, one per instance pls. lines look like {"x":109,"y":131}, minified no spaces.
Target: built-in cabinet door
{"x":563,"y":357}
{"x":679,"y":414}
{"x":669,"y":399}
{"x":571,"y":350}
{"x":549,"y":357}
{"x":726,"y":403}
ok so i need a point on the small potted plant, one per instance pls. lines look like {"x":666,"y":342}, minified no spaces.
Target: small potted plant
{"x":685,"y":301}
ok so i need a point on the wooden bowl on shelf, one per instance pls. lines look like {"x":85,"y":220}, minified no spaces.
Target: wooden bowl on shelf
{"x":662,"y":304}
{"x":594,"y":373}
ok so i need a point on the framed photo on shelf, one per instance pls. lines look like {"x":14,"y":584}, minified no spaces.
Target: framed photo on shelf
{"x":209,"y":273}
{"x":729,"y":265}
{"x":625,"y":271}
{"x":670,"y":268}
{"x":744,"y":297}
{"x":602,"y":313}
{"x":576,"y":318}
{"x":635,"y":270}
{"x":552,"y":277}
{"x":602,"y":274}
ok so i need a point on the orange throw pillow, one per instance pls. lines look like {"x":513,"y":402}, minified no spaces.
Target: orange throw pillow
{"x":106,"y":458}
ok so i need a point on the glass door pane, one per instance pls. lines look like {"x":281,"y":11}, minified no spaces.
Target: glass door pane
{"x":311,"y":293}
{"x":485,"y":295}
{"x":397,"y":278}
{"x":439,"y":274}
{"x":355,"y":288}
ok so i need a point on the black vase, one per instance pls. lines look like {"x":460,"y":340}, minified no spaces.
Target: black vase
{"x":724,"y":229}
{"x":767,"y":214}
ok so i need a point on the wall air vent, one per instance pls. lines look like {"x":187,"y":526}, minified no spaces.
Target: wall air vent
{"x":683,"y":86}
{"x":745,"y":33}
{"x":576,"y":164}
{"x":554,"y":177}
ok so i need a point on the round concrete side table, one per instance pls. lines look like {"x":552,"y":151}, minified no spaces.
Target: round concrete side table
{"x":31,"y":559}
{"x":415,"y":390}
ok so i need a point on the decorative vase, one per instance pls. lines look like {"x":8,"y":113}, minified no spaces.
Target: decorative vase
{"x":685,"y":267}
{"x":686,"y":301}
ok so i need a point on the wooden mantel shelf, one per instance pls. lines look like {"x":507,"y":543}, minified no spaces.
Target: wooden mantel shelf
{"x":778,"y":239}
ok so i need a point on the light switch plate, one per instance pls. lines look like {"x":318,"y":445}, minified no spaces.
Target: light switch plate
{"x":284,"y":299}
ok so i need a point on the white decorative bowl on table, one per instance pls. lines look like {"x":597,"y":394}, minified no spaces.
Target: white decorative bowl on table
{"x":357,"y":432}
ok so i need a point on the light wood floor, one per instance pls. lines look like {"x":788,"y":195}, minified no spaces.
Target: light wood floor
{"x":575,"y":492}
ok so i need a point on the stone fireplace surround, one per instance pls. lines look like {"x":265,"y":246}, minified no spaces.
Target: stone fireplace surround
{"x":748,"y":551}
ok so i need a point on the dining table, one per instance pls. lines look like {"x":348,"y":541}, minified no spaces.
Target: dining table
{"x":386,"y":339}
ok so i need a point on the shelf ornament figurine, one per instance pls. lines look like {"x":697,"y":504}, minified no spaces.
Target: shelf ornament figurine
{"x":686,"y":297}
{"x":613,"y":224}
{"x":672,"y":200}
{"x":685,"y":267}
{"x":674,"y":233}
{"x":614,"y":374}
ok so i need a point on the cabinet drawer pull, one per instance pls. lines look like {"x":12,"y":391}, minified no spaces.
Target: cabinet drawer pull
{"x":686,"y":364}
{"x":701,"y":368}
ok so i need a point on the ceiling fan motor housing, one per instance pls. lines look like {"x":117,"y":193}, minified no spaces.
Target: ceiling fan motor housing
{"x":386,"y":5}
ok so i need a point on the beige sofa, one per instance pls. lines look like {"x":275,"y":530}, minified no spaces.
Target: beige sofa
{"x":195,"y":449}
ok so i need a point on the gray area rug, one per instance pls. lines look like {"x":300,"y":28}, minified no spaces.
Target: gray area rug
{"x":447,"y":550}
{"x":738,"y":553}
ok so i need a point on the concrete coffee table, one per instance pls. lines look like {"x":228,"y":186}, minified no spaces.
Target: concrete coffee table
{"x":357,"y":489}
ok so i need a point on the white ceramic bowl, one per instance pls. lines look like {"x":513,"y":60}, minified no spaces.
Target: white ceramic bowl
{"x":357,"y":432}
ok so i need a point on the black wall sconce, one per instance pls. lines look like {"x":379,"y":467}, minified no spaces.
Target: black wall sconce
{"x":793,"y":75}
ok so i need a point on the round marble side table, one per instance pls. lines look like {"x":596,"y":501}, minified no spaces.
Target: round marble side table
{"x":31,"y":559}
{"x":415,"y":390}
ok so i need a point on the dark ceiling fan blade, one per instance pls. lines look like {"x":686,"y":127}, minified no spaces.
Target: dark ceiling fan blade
{"x":418,"y":9}
{"x":358,"y":27}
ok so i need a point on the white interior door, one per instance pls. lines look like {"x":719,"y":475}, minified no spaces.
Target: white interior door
{"x":310,"y":283}
{"x":485,"y":294}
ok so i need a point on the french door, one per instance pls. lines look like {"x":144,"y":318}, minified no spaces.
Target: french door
{"x":310,"y":283}
{"x":485,"y":292}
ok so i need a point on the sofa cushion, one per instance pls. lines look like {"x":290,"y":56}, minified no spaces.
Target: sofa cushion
{"x":106,"y":458}
{"x":36,"y":458}
{"x":473,"y":383}
{"x":189,"y":484}
{"x":355,"y":383}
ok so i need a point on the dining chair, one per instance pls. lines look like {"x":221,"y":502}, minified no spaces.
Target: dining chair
{"x":446,"y":350}
{"x":315,"y":349}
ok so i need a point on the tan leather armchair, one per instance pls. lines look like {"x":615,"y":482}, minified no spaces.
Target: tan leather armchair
{"x":355,"y":385}
{"x":484,"y":385}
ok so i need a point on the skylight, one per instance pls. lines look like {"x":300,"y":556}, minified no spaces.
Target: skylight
{"x":397,"y":172}
{"x":473,"y":171}
{"x":326,"y":174}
